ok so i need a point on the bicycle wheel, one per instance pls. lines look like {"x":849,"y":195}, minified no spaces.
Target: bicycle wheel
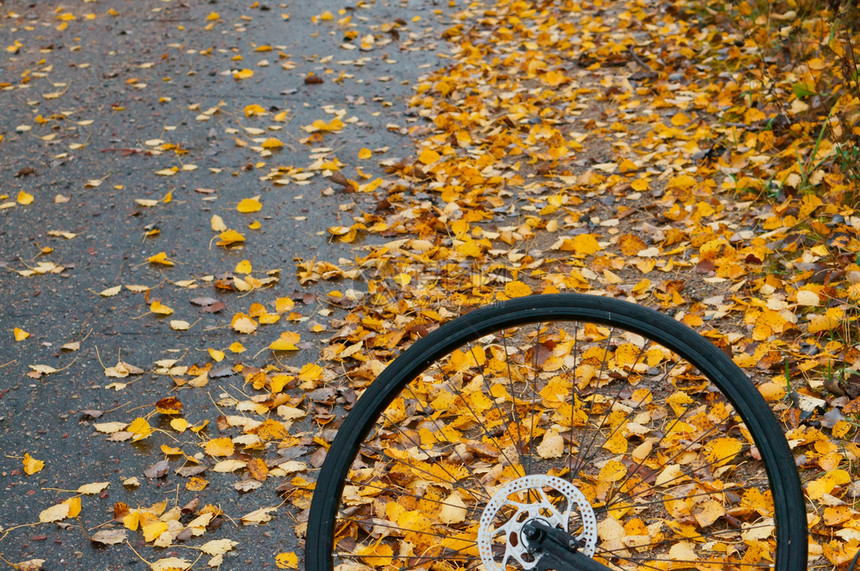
{"x":608,"y":425}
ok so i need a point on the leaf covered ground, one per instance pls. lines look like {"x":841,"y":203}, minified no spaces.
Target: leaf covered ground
{"x":699,"y":158}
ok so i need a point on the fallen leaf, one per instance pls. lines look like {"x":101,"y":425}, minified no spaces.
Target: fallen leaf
{"x":31,"y":465}
{"x":219,"y":447}
{"x":111,"y":291}
{"x":61,"y":511}
{"x":259,"y":516}
{"x":287,"y":560}
{"x":160,"y":258}
{"x":110,"y":536}
{"x":94,"y":488}
{"x":230,"y":237}
{"x":249,"y":205}
{"x":159,"y":308}
{"x":218,"y":546}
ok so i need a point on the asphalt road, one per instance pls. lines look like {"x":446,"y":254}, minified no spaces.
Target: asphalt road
{"x":96,"y":98}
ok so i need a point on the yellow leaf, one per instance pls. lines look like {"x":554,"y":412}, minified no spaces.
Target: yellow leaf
{"x":243,"y":324}
{"x":365,"y":153}
{"x":286,"y":342}
{"x":219,"y":447}
{"x":94,"y":488}
{"x":824,"y":485}
{"x":254,"y":109}
{"x":179,"y":325}
{"x":159,"y":308}
{"x":287,"y":560}
{"x":179,"y":424}
{"x":243,"y":267}
{"x":111,"y":291}
{"x":552,"y":445}
{"x":826,"y":322}
{"x":249,"y":205}
{"x":140,"y":428}
{"x":20,"y":334}
{"x":74,"y":506}
{"x":278,"y":383}
{"x":517,"y":289}
{"x":57,"y":512}
{"x":310,"y":372}
{"x":195,"y":484}
{"x":272,"y":143}
{"x":721,"y":450}
{"x":243,"y":74}
{"x":217,"y":223}
{"x":679,"y":119}
{"x":169,"y":405}
{"x":616,"y":443}
{"x":283,"y":304}
{"x":612,"y":471}
{"x":453,"y":509}
{"x":24,"y":198}
{"x":627,"y":165}
{"x":218,"y":546}
{"x":31,"y":465}
{"x":170,"y":450}
{"x":229,"y":237}
{"x":153,"y":529}
{"x":216,"y":354}
{"x":237,"y":347}
{"x":429,"y":156}
{"x":585,"y":244}
{"x":213,"y":16}
{"x":258,"y":469}
{"x":170,"y":564}
{"x":470,"y":248}
{"x":160,"y":258}
{"x":225,"y":466}
{"x":261,"y":515}
{"x":807,"y":298}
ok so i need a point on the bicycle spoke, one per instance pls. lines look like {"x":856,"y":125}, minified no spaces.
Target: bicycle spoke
{"x":606,"y":421}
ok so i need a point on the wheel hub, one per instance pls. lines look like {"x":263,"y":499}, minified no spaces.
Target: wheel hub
{"x":538,"y":507}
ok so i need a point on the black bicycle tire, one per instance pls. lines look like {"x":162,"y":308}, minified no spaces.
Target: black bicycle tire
{"x":789,"y":504}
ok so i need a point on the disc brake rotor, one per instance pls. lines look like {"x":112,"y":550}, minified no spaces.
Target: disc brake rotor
{"x":537,"y":507}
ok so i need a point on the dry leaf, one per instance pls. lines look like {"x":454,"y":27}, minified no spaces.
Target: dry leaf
{"x":110,"y":536}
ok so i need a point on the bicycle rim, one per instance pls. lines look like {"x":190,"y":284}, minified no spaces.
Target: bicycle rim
{"x":617,"y":424}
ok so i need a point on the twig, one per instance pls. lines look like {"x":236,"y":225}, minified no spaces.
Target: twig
{"x":650,"y":72}
{"x":87,"y":535}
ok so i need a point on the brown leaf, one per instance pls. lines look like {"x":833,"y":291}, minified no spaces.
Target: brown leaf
{"x":313,"y":79}
{"x":191,"y":506}
{"x":258,"y":469}
{"x":157,"y":470}
{"x":214,"y":308}
{"x":26,"y":171}
{"x":338,"y":178}
{"x":188,"y":471}
{"x":169,"y":405}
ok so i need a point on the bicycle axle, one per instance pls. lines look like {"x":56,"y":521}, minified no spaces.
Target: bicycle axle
{"x":555,"y":550}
